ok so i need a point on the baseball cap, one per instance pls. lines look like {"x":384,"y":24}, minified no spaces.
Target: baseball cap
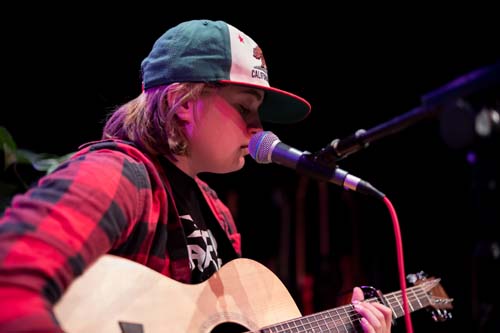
{"x":214,"y":51}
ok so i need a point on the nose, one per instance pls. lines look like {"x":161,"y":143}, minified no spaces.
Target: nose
{"x":254,"y":130}
{"x":254,"y":126}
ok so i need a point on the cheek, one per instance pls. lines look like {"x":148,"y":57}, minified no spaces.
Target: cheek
{"x":225,"y":143}
{"x":226,"y":128}
{"x":228,"y":138}
{"x":219,"y":128}
{"x":209,"y":138}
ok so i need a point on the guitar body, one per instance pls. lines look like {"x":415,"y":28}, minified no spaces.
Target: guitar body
{"x":115,"y":290}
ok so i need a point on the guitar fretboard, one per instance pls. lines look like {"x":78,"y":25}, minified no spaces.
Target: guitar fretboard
{"x":346,"y":318}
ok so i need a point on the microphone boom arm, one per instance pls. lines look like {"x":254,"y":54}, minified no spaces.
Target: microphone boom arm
{"x":341,"y":148}
{"x":432,"y":102}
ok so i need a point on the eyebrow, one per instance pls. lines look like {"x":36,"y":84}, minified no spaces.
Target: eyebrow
{"x":254,"y":93}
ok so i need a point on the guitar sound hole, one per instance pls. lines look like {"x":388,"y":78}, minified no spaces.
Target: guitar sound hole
{"x":229,"y":328}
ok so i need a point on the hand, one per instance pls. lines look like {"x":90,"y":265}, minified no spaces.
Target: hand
{"x":377,"y":318}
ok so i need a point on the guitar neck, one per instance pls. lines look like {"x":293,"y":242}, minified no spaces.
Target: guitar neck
{"x":346,"y":319}
{"x":417,"y":299}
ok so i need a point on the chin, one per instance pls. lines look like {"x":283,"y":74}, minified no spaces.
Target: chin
{"x":237,"y":166}
{"x":228,"y":169}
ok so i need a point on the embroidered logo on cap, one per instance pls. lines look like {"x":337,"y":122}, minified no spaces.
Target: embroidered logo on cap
{"x":257,"y":53}
{"x":259,"y":72}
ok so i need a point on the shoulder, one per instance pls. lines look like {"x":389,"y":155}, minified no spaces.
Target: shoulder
{"x":113,"y":146}
{"x":107,"y":159}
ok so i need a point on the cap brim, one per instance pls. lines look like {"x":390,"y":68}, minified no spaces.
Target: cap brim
{"x":279,"y":106}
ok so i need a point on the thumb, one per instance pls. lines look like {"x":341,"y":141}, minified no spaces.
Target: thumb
{"x":357,"y":295}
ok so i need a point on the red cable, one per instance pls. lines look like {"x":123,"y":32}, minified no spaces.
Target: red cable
{"x":400,"y":259}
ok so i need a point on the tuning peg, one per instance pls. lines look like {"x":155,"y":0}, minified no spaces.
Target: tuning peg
{"x":440,"y":315}
{"x":412,"y":278}
{"x":441,"y":301}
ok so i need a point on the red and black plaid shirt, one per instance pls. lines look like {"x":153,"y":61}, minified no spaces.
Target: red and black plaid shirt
{"x":109,"y":198}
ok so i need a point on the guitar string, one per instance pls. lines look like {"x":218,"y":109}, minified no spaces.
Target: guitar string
{"x":318,"y":321}
{"x":312,"y":322}
{"x":420,"y":294}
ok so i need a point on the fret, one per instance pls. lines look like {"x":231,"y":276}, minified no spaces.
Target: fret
{"x":414,"y":300}
{"x":409,"y":302}
{"x":349,"y":327}
{"x":391,"y":307}
{"x":396,"y":307}
{"x":318,"y":323}
{"x":322,"y":322}
{"x":333,"y":324}
{"x":332,"y":319}
{"x":424,"y":298}
{"x":340,"y":318}
{"x":417,"y":299}
{"x":311,"y":324}
{"x":337,"y":319}
{"x":329,"y":321}
{"x":345,"y":319}
{"x":399,"y":304}
{"x":292,"y":325}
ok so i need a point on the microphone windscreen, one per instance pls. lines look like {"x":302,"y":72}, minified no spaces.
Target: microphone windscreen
{"x":261,"y":145}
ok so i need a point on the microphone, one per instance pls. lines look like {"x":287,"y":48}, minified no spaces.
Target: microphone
{"x":265,"y":147}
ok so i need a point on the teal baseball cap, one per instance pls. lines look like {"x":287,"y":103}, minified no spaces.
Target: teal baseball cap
{"x":214,"y":51}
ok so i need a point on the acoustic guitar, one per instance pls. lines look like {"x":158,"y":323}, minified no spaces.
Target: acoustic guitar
{"x":117,"y":295}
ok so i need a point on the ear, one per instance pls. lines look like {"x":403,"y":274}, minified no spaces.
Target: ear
{"x":185,"y":111}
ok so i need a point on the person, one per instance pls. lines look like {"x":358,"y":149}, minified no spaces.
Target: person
{"x":136,"y":192}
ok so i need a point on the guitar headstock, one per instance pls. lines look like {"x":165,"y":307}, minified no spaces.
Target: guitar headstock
{"x":439,"y":302}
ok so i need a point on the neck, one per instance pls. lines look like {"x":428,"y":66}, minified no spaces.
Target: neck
{"x":185,"y":164}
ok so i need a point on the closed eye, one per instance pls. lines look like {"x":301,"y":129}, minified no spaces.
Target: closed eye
{"x":243,"y":110}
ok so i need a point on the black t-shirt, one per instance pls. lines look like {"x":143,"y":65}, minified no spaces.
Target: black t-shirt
{"x":208,"y":246}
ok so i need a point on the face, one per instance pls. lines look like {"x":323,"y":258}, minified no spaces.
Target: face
{"x":221,"y":127}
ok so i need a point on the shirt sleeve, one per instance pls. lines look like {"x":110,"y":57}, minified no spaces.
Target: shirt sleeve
{"x":51,"y":233}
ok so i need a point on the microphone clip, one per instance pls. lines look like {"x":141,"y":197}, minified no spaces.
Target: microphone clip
{"x":341,"y":148}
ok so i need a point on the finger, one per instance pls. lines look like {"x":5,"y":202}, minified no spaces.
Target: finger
{"x":373,"y":316}
{"x":357,"y":294}
{"x":367,"y":328}
{"x":387,"y":313}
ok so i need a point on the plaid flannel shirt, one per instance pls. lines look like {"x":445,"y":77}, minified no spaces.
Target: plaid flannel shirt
{"x":108,"y":198}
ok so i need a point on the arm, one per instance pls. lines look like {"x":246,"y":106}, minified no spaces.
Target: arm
{"x":55,"y":230}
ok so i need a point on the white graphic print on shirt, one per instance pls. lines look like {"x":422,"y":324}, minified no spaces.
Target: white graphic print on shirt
{"x":202,"y":247}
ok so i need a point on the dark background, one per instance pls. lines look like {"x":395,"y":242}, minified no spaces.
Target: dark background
{"x":64,"y":69}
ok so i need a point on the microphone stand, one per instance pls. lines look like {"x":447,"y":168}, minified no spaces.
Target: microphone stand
{"x":432,"y":104}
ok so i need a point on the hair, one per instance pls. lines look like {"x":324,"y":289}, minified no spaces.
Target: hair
{"x":151,"y":123}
